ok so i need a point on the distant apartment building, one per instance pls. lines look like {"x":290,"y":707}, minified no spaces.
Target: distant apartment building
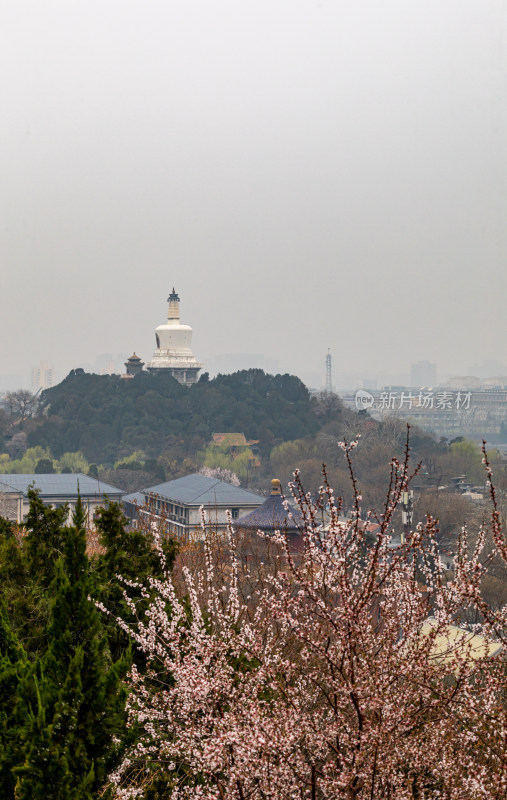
{"x":448,"y":411}
{"x":56,"y":491}
{"x":464,"y":382}
{"x":42,"y":377}
{"x":423,"y":373}
{"x":109,"y":368}
{"x":178,"y":504}
{"x":496,"y":382}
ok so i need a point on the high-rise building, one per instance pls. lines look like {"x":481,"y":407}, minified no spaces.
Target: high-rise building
{"x":174,"y":352}
{"x":423,"y":373}
{"x":43,"y":377}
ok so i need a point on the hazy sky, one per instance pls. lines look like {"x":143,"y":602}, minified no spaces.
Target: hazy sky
{"x":307,"y":173}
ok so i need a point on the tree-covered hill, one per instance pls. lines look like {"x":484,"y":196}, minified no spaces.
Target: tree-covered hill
{"x":106,"y":417}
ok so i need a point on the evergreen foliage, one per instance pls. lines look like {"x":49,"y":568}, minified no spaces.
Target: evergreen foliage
{"x":131,"y":554}
{"x":15,"y":586}
{"x":107,"y":418}
{"x":79,"y":694}
{"x":62,"y":700}
{"x":45,"y":539}
{"x":14,"y":668}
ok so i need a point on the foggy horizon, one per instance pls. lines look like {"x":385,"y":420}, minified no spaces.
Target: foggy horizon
{"x":308,"y":175}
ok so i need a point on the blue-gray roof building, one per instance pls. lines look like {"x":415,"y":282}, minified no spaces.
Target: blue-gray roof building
{"x":177,"y":503}
{"x":56,"y":490}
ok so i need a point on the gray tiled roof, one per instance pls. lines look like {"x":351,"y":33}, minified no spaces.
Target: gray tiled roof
{"x":135,"y":497}
{"x":272,"y":515}
{"x":198,"y":490}
{"x":60,"y":485}
{"x":4,"y":487}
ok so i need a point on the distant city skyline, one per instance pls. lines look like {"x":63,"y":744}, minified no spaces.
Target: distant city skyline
{"x":109,"y":363}
{"x":312,"y":374}
{"x":42,"y":376}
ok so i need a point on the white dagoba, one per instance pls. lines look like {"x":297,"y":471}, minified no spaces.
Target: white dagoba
{"x":174,"y":351}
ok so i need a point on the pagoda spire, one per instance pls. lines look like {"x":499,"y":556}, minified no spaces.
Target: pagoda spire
{"x":173,"y":312}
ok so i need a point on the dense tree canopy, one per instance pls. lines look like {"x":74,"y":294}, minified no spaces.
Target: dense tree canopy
{"x":106,"y":417}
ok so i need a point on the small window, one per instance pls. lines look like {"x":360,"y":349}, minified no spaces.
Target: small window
{"x":235,"y":513}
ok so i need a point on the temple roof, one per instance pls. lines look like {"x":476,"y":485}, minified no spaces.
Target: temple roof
{"x":272,"y":514}
{"x":230,"y":439}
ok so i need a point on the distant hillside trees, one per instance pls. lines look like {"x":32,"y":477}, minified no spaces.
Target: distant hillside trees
{"x":220,"y":457}
{"x":107,"y":418}
{"x":39,"y":460}
{"x":21,"y":404}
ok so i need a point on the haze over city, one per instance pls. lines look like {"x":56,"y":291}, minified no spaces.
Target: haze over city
{"x":306,"y":174}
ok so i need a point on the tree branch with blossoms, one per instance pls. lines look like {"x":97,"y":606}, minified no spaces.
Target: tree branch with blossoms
{"x":332,"y":670}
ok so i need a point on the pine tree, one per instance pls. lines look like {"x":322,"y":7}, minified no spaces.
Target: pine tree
{"x":131,"y":554}
{"x":80,"y":698}
{"x":128,"y":552}
{"x":45,"y":539}
{"x":54,"y":766}
{"x":14,"y":670}
{"x":27,"y":570}
{"x":13,"y":578}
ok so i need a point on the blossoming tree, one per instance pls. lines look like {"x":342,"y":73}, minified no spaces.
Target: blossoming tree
{"x":315,"y":674}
